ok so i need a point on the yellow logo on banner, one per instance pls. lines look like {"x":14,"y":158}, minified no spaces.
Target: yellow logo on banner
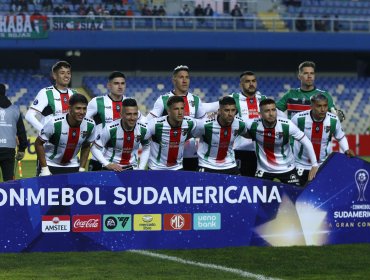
{"x":147,"y":222}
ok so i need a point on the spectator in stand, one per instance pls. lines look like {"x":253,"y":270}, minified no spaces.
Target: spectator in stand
{"x":208,"y":11}
{"x":300,"y":23}
{"x":185,"y":11}
{"x":198,"y":11}
{"x":236,"y":12}
{"x":81,"y":11}
{"x":155,"y":11}
{"x":58,"y":10}
{"x":114,"y":11}
{"x":129,"y":12}
{"x":66,"y":10}
{"x":161,"y":11}
{"x":99,"y":10}
{"x":145,"y":11}
{"x":47,"y":5}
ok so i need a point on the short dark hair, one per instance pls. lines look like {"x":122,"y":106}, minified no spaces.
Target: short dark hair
{"x":180,"y":68}
{"x":59,"y":65}
{"x":129,"y":102}
{"x":77,"y":98}
{"x":116,"y":74}
{"x":2,"y":89}
{"x":319,"y":97}
{"x":267,"y":101}
{"x":174,"y":99}
{"x":306,"y":64}
{"x":226,"y":100}
{"x":249,"y":73}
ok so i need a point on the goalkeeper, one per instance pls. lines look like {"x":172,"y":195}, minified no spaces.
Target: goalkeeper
{"x":298,"y":99}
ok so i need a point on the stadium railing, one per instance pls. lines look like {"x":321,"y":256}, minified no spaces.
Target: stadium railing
{"x":189,"y":23}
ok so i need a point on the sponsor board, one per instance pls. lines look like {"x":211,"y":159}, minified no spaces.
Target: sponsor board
{"x":117,"y":222}
{"x":147,"y":222}
{"x":177,"y":221}
{"x":86,"y":223}
{"x":207,"y":221}
{"x":61,"y":223}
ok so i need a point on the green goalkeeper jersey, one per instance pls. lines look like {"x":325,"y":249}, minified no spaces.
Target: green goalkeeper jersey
{"x":297,"y":100}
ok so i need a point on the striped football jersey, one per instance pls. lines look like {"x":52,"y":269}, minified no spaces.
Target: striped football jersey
{"x":64,"y":142}
{"x":274,"y":153}
{"x":50,"y":101}
{"x":122,"y":146}
{"x":215,"y":146}
{"x":167,"y":145}
{"x":320,"y":133}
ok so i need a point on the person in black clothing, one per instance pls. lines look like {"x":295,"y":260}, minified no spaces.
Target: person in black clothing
{"x":11,"y":128}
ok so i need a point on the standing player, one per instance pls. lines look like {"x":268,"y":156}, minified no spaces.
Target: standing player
{"x":11,"y":129}
{"x":274,"y":155}
{"x":106,"y":109}
{"x":66,"y":134}
{"x":297,"y":100}
{"x":117,"y":146}
{"x":51,"y":101}
{"x":192,"y":107}
{"x":247,"y":104}
{"x":319,"y":126}
{"x":215,"y":151}
{"x":169,"y":134}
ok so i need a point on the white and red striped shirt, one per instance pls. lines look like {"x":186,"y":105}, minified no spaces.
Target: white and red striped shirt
{"x":215,"y":147}
{"x":167,"y":146}
{"x":320,"y":133}
{"x":273,"y":150}
{"x":63,"y":142}
{"x":121,"y":146}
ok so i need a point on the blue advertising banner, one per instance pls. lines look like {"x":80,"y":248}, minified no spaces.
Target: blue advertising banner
{"x":183,"y":210}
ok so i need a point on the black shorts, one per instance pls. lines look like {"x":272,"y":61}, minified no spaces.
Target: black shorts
{"x":247,"y":162}
{"x":190,"y":164}
{"x":231,"y":171}
{"x":290,"y":177}
{"x":302,"y":175}
{"x":63,"y":170}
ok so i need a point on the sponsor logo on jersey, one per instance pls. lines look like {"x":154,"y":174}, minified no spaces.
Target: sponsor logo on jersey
{"x":60,"y":223}
{"x":86,"y":223}
{"x":114,"y":222}
{"x":147,"y":222}
{"x":177,"y":221}
{"x":207,"y":221}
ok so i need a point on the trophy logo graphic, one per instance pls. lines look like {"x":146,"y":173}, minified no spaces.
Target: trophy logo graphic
{"x":361,"y":179}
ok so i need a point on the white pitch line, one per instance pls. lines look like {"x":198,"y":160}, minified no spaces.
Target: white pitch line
{"x":205,"y":265}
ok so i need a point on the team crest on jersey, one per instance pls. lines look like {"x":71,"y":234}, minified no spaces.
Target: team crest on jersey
{"x":84,"y":134}
{"x":235,"y":132}
{"x":280,"y":135}
{"x":65,"y":100}
{"x":118,"y":108}
{"x":185,"y":131}
{"x":251,"y":100}
{"x":327,"y":129}
{"x":35,"y":102}
{"x":191,"y":103}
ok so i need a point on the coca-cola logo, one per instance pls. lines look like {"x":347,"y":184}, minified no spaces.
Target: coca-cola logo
{"x":86,"y":223}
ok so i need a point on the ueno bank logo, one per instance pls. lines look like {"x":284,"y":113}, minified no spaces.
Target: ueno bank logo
{"x":86,"y":223}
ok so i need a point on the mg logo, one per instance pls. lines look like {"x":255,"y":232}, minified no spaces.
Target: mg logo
{"x":177,"y":222}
